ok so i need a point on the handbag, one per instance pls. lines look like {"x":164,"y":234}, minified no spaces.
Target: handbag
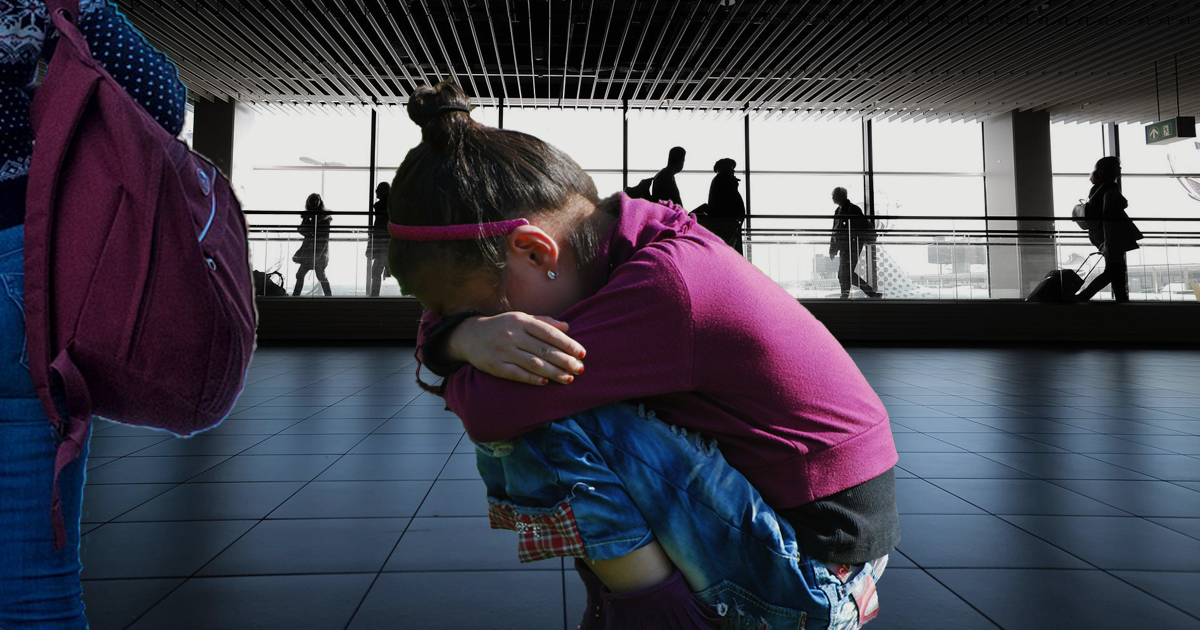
{"x":1079,"y":213}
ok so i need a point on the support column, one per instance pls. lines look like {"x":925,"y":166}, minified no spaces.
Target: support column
{"x":212,"y":135}
{"x":1018,"y":183}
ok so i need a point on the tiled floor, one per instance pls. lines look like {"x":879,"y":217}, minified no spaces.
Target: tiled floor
{"x":1037,"y":489}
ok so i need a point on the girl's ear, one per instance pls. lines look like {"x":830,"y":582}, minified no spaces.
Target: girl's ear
{"x":531,"y":245}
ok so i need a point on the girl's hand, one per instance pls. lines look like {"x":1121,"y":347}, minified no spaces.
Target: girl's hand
{"x":518,"y":347}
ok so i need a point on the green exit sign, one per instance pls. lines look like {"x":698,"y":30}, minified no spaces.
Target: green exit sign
{"x":1171,"y":130}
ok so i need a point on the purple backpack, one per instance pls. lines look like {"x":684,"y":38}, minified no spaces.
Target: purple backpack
{"x":138,"y":294}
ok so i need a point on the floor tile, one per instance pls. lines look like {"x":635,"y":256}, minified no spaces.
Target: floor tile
{"x":96,"y":462}
{"x":102,"y":503}
{"x":424,"y":411}
{"x":1185,"y":526}
{"x":233,"y":426}
{"x":947,"y":424}
{"x":103,"y":446}
{"x":1063,"y":466}
{"x":385,"y":467}
{"x":474,"y":545}
{"x":306,"y":445}
{"x":422,"y":425}
{"x":1116,"y":543}
{"x":267,"y":468}
{"x":152,"y":469}
{"x":1085,"y":443}
{"x":956,"y":466}
{"x":1166,"y":467}
{"x":275,"y":413}
{"x":214,"y":501}
{"x":909,"y":599}
{"x":202,"y":444}
{"x":997,"y":443}
{"x":510,"y":600}
{"x":1177,"y":589}
{"x":1025,"y":496}
{"x":327,"y":545}
{"x":917,"y":496}
{"x":321,"y":400}
{"x":976,"y":541}
{"x":327,"y":603}
{"x":1141,"y":498}
{"x":407,"y":443}
{"x":1037,"y":600}
{"x":922,"y":443}
{"x":355,"y":499}
{"x":461,"y":466}
{"x":1181,"y":444}
{"x":456,"y":498}
{"x":317,"y":425}
{"x":141,"y":550}
{"x":1030,"y":425}
{"x":114,"y":604}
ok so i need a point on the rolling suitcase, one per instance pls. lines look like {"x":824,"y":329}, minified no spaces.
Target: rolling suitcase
{"x":1061,"y":285}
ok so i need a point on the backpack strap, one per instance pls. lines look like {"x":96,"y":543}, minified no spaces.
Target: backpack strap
{"x":73,"y":433}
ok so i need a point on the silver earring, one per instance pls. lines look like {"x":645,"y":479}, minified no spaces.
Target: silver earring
{"x":551,"y":275}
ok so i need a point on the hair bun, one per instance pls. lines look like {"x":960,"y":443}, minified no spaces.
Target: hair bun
{"x":429,"y":105}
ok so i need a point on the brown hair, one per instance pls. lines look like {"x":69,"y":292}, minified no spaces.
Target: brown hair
{"x":463,"y":172}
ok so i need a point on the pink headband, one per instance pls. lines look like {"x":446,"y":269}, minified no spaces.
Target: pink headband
{"x":462,"y":232}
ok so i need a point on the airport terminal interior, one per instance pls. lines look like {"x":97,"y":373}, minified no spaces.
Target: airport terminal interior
{"x":908,"y":171}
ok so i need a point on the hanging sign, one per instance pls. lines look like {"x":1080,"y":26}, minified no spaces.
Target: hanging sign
{"x":1171,"y":130}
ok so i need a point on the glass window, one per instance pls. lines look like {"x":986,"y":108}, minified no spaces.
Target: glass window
{"x":1161,"y":159}
{"x":592,"y":137}
{"x":790,"y":145}
{"x":398,"y":133}
{"x":707,"y":138}
{"x":939,"y":147}
{"x":1075,"y":148}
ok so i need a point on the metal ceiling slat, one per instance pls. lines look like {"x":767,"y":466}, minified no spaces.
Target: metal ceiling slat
{"x":834,"y":34}
{"x":617,"y":59}
{"x":412,"y":23}
{"x":437,"y":36}
{"x":513,"y":37}
{"x":495,"y":44}
{"x":698,"y":66}
{"x":181,"y":56}
{"x":744,"y":48}
{"x":290,"y":58}
{"x":382,"y":93}
{"x":532,"y":56}
{"x":383,"y":62}
{"x":387,"y":44}
{"x":479,"y":50}
{"x":638,"y":49}
{"x":463,"y":52}
{"x":334,"y":78}
{"x":603,"y":46}
{"x":718,"y":63}
{"x":687,"y":55}
{"x":662,"y":33}
{"x":587,"y":34}
{"x":757,"y":64}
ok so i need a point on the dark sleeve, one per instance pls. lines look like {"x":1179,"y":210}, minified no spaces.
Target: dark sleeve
{"x":149,"y":77}
{"x":435,"y":335}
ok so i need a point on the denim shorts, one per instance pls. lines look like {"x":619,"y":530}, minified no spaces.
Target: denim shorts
{"x":39,"y":585}
{"x":603,"y":483}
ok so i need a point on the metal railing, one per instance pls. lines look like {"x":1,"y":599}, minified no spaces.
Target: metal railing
{"x":920,"y":257}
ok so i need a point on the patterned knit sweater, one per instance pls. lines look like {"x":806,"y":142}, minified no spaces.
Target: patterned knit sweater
{"x":27,"y":35}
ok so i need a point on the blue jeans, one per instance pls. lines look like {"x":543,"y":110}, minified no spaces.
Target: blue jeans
{"x":39,"y":586}
{"x":606,"y":482}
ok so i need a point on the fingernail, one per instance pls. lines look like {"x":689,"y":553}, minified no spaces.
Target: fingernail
{"x":580,"y":370}
{"x":568,"y":378}
{"x":545,"y":382}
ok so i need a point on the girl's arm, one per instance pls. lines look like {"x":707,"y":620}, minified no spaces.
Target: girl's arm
{"x":639,"y":339}
{"x":149,"y":77}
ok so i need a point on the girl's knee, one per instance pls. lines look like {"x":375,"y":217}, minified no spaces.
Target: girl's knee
{"x":642,"y":568}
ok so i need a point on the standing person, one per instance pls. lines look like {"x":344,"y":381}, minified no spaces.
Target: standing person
{"x":664,"y":187}
{"x":726,"y":210}
{"x":780,"y":457}
{"x":1110,"y":229}
{"x":852,"y":231}
{"x":377,"y":240}
{"x":314,"y":250}
{"x":39,"y":585}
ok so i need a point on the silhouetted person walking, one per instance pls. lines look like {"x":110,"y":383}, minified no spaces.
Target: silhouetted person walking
{"x":852,"y":231}
{"x":377,"y":239}
{"x":664,"y":187}
{"x":726,"y":211}
{"x":314,"y":251}
{"x":1110,"y":229}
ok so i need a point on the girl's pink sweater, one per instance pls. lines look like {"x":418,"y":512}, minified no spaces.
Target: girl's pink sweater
{"x":687,"y":326}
